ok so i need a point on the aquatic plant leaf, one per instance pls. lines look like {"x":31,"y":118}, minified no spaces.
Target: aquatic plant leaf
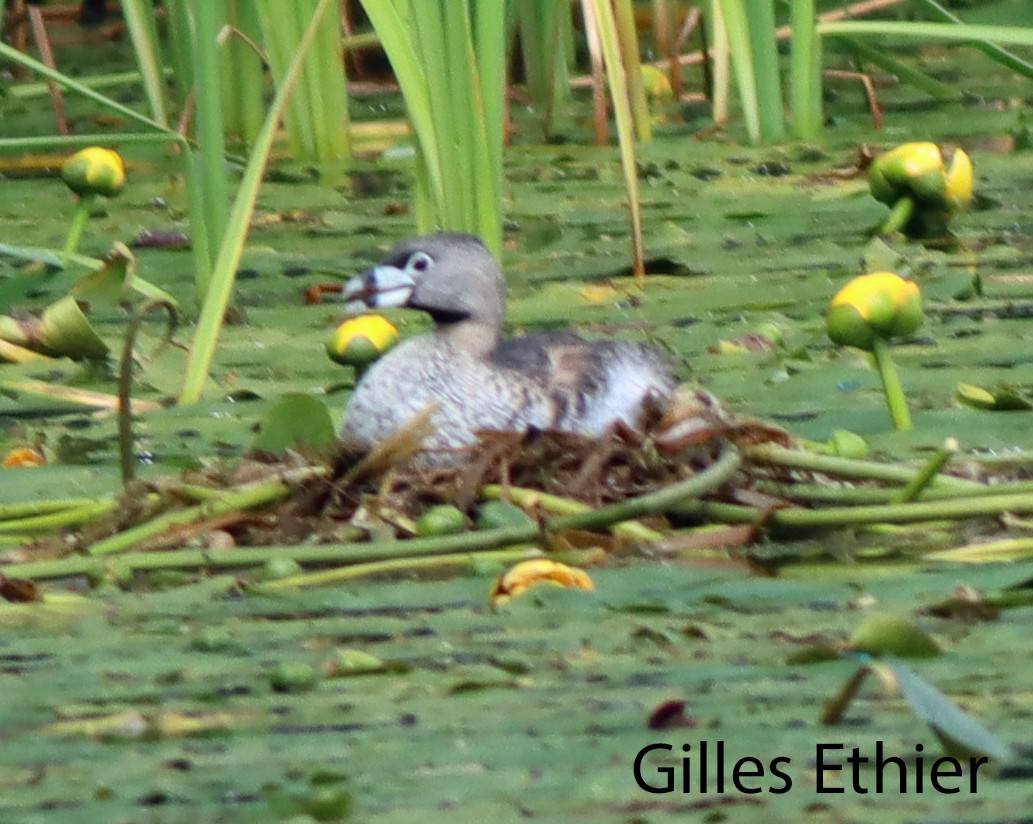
{"x":961,"y":734}
{"x":1003,"y":398}
{"x":889,"y":635}
{"x":116,"y":280}
{"x":33,"y":254}
{"x":574,"y":685}
{"x":62,"y":330}
{"x":298,"y":422}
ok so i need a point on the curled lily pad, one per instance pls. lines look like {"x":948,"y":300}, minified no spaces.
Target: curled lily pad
{"x":66,"y":331}
{"x":999,"y":399}
{"x":63,"y":331}
{"x":115,"y":280}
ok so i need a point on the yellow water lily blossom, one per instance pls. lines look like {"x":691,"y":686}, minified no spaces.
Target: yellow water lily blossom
{"x":94,"y":171}
{"x":360,"y":341}
{"x":877,"y":305}
{"x":924,"y":184}
{"x":538,"y":571}
{"x":24,"y":456}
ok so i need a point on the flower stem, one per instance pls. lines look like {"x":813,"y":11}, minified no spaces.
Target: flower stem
{"x":82,"y":214}
{"x":899,"y":216}
{"x":891,"y":385}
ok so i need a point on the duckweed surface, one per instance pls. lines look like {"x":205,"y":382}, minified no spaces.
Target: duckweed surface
{"x":196,"y":700}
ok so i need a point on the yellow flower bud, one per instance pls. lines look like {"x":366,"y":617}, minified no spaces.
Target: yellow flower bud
{"x":360,"y":341}
{"x":877,"y":305}
{"x":656,"y":83}
{"x":939,"y":179}
{"x":94,"y":171}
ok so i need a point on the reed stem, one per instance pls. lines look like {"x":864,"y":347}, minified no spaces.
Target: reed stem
{"x":390,"y":565}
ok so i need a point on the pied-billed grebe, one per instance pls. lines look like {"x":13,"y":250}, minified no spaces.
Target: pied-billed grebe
{"x":476,"y":379}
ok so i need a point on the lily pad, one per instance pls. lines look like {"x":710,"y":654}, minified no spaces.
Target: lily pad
{"x":298,"y":422}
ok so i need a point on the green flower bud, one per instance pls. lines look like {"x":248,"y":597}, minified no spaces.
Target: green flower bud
{"x":877,"y":305}
{"x":847,"y":444}
{"x":293,"y":677}
{"x":443,"y":519}
{"x":360,"y":341}
{"x":94,"y":171}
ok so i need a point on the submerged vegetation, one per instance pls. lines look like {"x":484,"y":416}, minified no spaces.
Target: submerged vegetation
{"x":215,"y":614}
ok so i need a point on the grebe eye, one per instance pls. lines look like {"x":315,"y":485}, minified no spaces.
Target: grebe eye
{"x":419,"y":262}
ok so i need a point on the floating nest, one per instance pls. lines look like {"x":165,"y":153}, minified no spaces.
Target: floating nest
{"x":351,"y":498}
{"x":689,"y":464}
{"x":399,"y":481}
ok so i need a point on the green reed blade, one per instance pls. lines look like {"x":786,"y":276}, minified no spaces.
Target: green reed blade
{"x":994,"y":52}
{"x":627,"y":42}
{"x":247,"y":64}
{"x":490,"y":45}
{"x":139,"y":17}
{"x":805,"y":71}
{"x":767,"y":77}
{"x":316,"y":120}
{"x":74,"y":85}
{"x":738,"y":30}
{"x":905,"y":72}
{"x":180,"y":39}
{"x":721,"y":61}
{"x":960,"y":32}
{"x":210,"y":132}
{"x":220,"y":288}
{"x":616,"y":78}
{"x":393,"y":23}
{"x":449,"y":60}
{"x":25,"y":91}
